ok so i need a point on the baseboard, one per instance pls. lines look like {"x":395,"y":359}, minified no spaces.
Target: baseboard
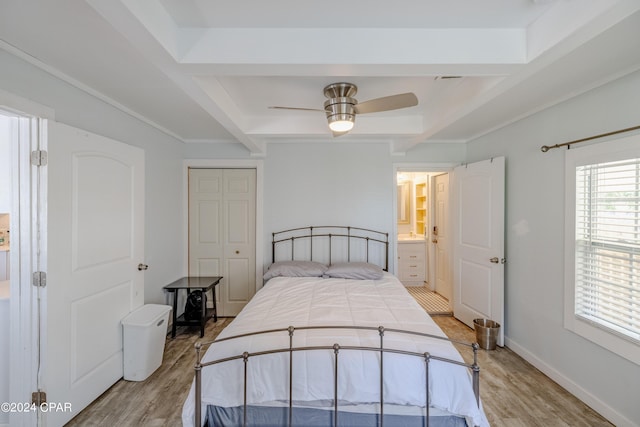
{"x":581,"y":393}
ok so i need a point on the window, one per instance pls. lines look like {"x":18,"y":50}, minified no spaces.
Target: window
{"x":603,"y":245}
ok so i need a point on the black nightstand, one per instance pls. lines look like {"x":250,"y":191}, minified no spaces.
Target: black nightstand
{"x":190,"y":284}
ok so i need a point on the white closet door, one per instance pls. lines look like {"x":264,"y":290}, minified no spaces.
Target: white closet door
{"x":222,"y":217}
{"x":205,"y":222}
{"x":95,"y":241}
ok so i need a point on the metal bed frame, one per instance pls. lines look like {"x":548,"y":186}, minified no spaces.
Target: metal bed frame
{"x":336,"y":348}
{"x":327,"y":232}
{"x":307,"y":234}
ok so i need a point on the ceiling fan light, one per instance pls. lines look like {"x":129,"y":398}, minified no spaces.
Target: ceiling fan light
{"x":341,"y":125}
{"x":340,"y":114}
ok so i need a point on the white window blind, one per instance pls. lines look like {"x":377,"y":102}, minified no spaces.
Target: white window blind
{"x":607,"y":249}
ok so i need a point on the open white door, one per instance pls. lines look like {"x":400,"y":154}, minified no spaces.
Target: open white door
{"x":95,"y":241}
{"x":478,"y":238}
{"x":440,"y":236}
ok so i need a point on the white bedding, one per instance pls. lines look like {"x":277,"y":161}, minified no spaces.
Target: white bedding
{"x":303,"y":301}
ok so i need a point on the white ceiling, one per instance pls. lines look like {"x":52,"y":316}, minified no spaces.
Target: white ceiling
{"x":207,"y":70}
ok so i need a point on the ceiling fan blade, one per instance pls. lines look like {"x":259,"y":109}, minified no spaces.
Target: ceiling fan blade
{"x":295,"y":108}
{"x":337,"y":134}
{"x":387,"y":103}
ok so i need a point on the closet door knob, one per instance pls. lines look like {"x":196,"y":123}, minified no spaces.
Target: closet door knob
{"x":237,"y":252}
{"x":143,"y":267}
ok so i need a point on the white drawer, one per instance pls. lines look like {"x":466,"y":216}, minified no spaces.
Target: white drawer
{"x":417,"y":257}
{"x":416,"y":266}
{"x":411,"y":251}
{"x":411,"y":275}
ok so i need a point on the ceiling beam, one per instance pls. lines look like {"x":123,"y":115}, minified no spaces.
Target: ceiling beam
{"x":356,"y":46}
{"x":125,"y":17}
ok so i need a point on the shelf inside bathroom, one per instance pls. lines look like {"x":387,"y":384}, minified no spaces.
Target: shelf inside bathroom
{"x":421,"y":208}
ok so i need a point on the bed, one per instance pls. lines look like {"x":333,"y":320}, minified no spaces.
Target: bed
{"x":332,"y":339}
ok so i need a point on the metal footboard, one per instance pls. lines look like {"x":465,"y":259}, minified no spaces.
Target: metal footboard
{"x":337,"y":348}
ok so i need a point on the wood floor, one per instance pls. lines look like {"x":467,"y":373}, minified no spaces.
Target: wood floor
{"x":514,"y":393}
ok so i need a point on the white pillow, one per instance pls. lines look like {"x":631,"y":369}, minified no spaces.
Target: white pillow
{"x":355,"y":270}
{"x":295,"y":269}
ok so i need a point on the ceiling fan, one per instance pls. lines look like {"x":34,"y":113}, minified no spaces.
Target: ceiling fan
{"x":341,"y":108}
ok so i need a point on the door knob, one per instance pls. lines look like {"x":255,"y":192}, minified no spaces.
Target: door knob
{"x":495,"y":260}
{"x":237,"y":252}
{"x":143,"y":267}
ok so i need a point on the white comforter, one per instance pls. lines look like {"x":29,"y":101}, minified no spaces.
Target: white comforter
{"x":305,"y":301}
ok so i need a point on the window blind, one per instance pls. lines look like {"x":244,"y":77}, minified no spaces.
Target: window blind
{"x":607,"y":254}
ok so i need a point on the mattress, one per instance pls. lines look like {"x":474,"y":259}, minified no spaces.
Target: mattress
{"x":316,"y":301}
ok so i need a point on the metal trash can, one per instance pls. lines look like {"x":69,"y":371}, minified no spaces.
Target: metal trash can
{"x":486,"y":333}
{"x":144,"y":334}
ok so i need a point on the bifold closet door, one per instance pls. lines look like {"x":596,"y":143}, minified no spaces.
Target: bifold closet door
{"x":222,"y":210}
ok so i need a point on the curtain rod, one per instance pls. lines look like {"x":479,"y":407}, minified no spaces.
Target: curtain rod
{"x":546,"y":148}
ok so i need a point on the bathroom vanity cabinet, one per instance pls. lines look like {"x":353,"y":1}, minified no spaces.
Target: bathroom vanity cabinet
{"x":412,"y":256}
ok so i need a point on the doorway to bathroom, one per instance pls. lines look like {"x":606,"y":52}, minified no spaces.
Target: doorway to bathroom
{"x":471,"y":230}
{"x":423,"y":262}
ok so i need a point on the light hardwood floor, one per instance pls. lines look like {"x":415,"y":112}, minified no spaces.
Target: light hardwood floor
{"x":513,"y":392}
{"x":516,"y":394}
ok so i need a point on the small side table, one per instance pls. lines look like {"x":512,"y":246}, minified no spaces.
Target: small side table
{"x":190,"y":284}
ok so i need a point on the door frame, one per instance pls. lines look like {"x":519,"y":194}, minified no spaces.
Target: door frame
{"x":443,"y":167}
{"x":227,"y":164}
{"x":29,"y":192}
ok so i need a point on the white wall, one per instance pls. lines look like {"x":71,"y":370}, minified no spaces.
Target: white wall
{"x":328,"y":184}
{"x":5,"y":165}
{"x":535,"y":245}
{"x":163,"y":161}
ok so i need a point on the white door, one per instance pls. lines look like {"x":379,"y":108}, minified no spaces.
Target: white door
{"x":478,"y":253}
{"x":205,"y":220}
{"x":440,"y":236}
{"x":95,"y":241}
{"x":222,"y":228}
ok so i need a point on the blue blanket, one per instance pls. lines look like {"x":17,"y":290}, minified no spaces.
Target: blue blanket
{"x":261,"y":416}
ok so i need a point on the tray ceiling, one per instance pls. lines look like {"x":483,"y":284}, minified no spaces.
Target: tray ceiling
{"x":206,"y":71}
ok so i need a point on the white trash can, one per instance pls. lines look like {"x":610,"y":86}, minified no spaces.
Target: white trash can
{"x":144,"y":333}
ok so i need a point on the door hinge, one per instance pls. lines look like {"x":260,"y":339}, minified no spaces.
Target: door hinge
{"x":39,"y":279}
{"x":38,"y":398}
{"x":39,"y":158}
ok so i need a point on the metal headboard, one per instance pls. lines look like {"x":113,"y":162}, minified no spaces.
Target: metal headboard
{"x":305,"y":237}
